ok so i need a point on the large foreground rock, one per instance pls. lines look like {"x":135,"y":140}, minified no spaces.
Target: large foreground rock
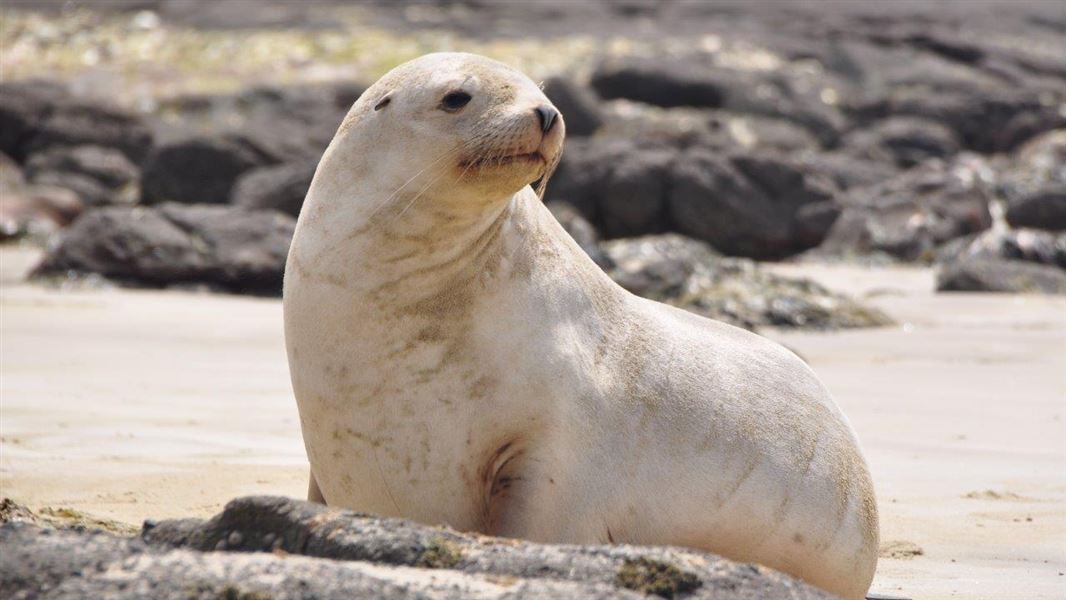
{"x":220,"y":246}
{"x":276,"y":548}
{"x":264,"y":547}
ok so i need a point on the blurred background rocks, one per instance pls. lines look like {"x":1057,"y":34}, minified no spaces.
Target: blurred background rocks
{"x":172,"y":142}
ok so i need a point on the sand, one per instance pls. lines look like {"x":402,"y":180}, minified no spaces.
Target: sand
{"x":135,"y":404}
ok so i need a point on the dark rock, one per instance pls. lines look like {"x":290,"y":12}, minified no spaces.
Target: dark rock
{"x":37,"y":115}
{"x":689,"y":274}
{"x":1043,"y":209}
{"x":36,"y":211}
{"x":662,"y":82}
{"x":755,"y":132}
{"x":693,"y":81}
{"x":743,"y":203}
{"x":579,"y":107}
{"x":83,"y":123}
{"x":581,"y":230}
{"x":1034,"y":184}
{"x":1017,"y":244}
{"x":997,"y":275}
{"x":24,"y":106}
{"x":747,"y":204}
{"x":284,"y":124}
{"x":585,"y":166}
{"x":620,"y":186}
{"x":282,"y":187}
{"x":98,"y":175}
{"x":908,"y":216}
{"x":632,"y":198}
{"x":199,"y":170}
{"x":32,"y":210}
{"x":845,"y":170}
{"x":88,"y":190}
{"x":226,"y":247}
{"x":985,"y":120}
{"x":902,"y":141}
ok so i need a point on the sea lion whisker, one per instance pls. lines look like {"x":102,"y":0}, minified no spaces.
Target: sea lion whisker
{"x":443,"y":156}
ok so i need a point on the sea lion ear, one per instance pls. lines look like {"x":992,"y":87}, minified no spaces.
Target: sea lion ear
{"x":383,"y":102}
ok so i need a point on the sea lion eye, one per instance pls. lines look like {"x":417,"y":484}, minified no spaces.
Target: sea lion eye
{"x":454,"y":101}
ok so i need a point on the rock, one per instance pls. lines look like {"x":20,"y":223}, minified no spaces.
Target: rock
{"x":694,"y":81}
{"x":581,"y":230}
{"x":263,"y":524}
{"x":221,"y":246}
{"x":658,"y":266}
{"x":753,"y":131}
{"x":985,"y":120}
{"x":265,"y":547}
{"x":200,"y":169}
{"x":902,"y":141}
{"x":1034,"y":184}
{"x":85,"y":123}
{"x":752,"y":203}
{"x":37,"y":115}
{"x":23,"y":107}
{"x":281,"y":187}
{"x":997,"y":275}
{"x":846,"y":170}
{"x":585,"y":166}
{"x":633,"y":196}
{"x":747,"y":204}
{"x":662,"y":82}
{"x":908,"y":216}
{"x":32,"y":210}
{"x":689,"y":274}
{"x":1043,"y":209}
{"x":98,"y":175}
{"x":579,"y":107}
{"x":285,"y":124}
{"x":36,"y":211}
{"x":1025,"y":244}
{"x":11,"y":175}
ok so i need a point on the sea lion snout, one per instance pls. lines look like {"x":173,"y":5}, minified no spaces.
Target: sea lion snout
{"x":547,"y":115}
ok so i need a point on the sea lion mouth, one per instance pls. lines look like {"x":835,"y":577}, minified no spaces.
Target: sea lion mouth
{"x":499,"y":161}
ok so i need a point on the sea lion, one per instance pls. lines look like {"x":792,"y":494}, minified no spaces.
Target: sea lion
{"x":457,"y":359}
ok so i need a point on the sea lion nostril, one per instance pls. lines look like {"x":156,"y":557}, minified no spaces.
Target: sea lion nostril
{"x":547,"y":116}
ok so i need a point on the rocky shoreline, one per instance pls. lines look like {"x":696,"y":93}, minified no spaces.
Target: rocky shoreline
{"x":870,"y":137}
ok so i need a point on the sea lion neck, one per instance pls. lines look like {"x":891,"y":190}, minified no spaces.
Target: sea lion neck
{"x":411,"y":254}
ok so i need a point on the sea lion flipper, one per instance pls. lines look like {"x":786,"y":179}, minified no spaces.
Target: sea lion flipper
{"x":313,"y":493}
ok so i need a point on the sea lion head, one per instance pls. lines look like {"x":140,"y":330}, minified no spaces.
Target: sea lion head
{"x":453,"y":127}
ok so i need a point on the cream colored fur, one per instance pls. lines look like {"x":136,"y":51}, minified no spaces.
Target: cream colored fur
{"x":458,"y":359}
